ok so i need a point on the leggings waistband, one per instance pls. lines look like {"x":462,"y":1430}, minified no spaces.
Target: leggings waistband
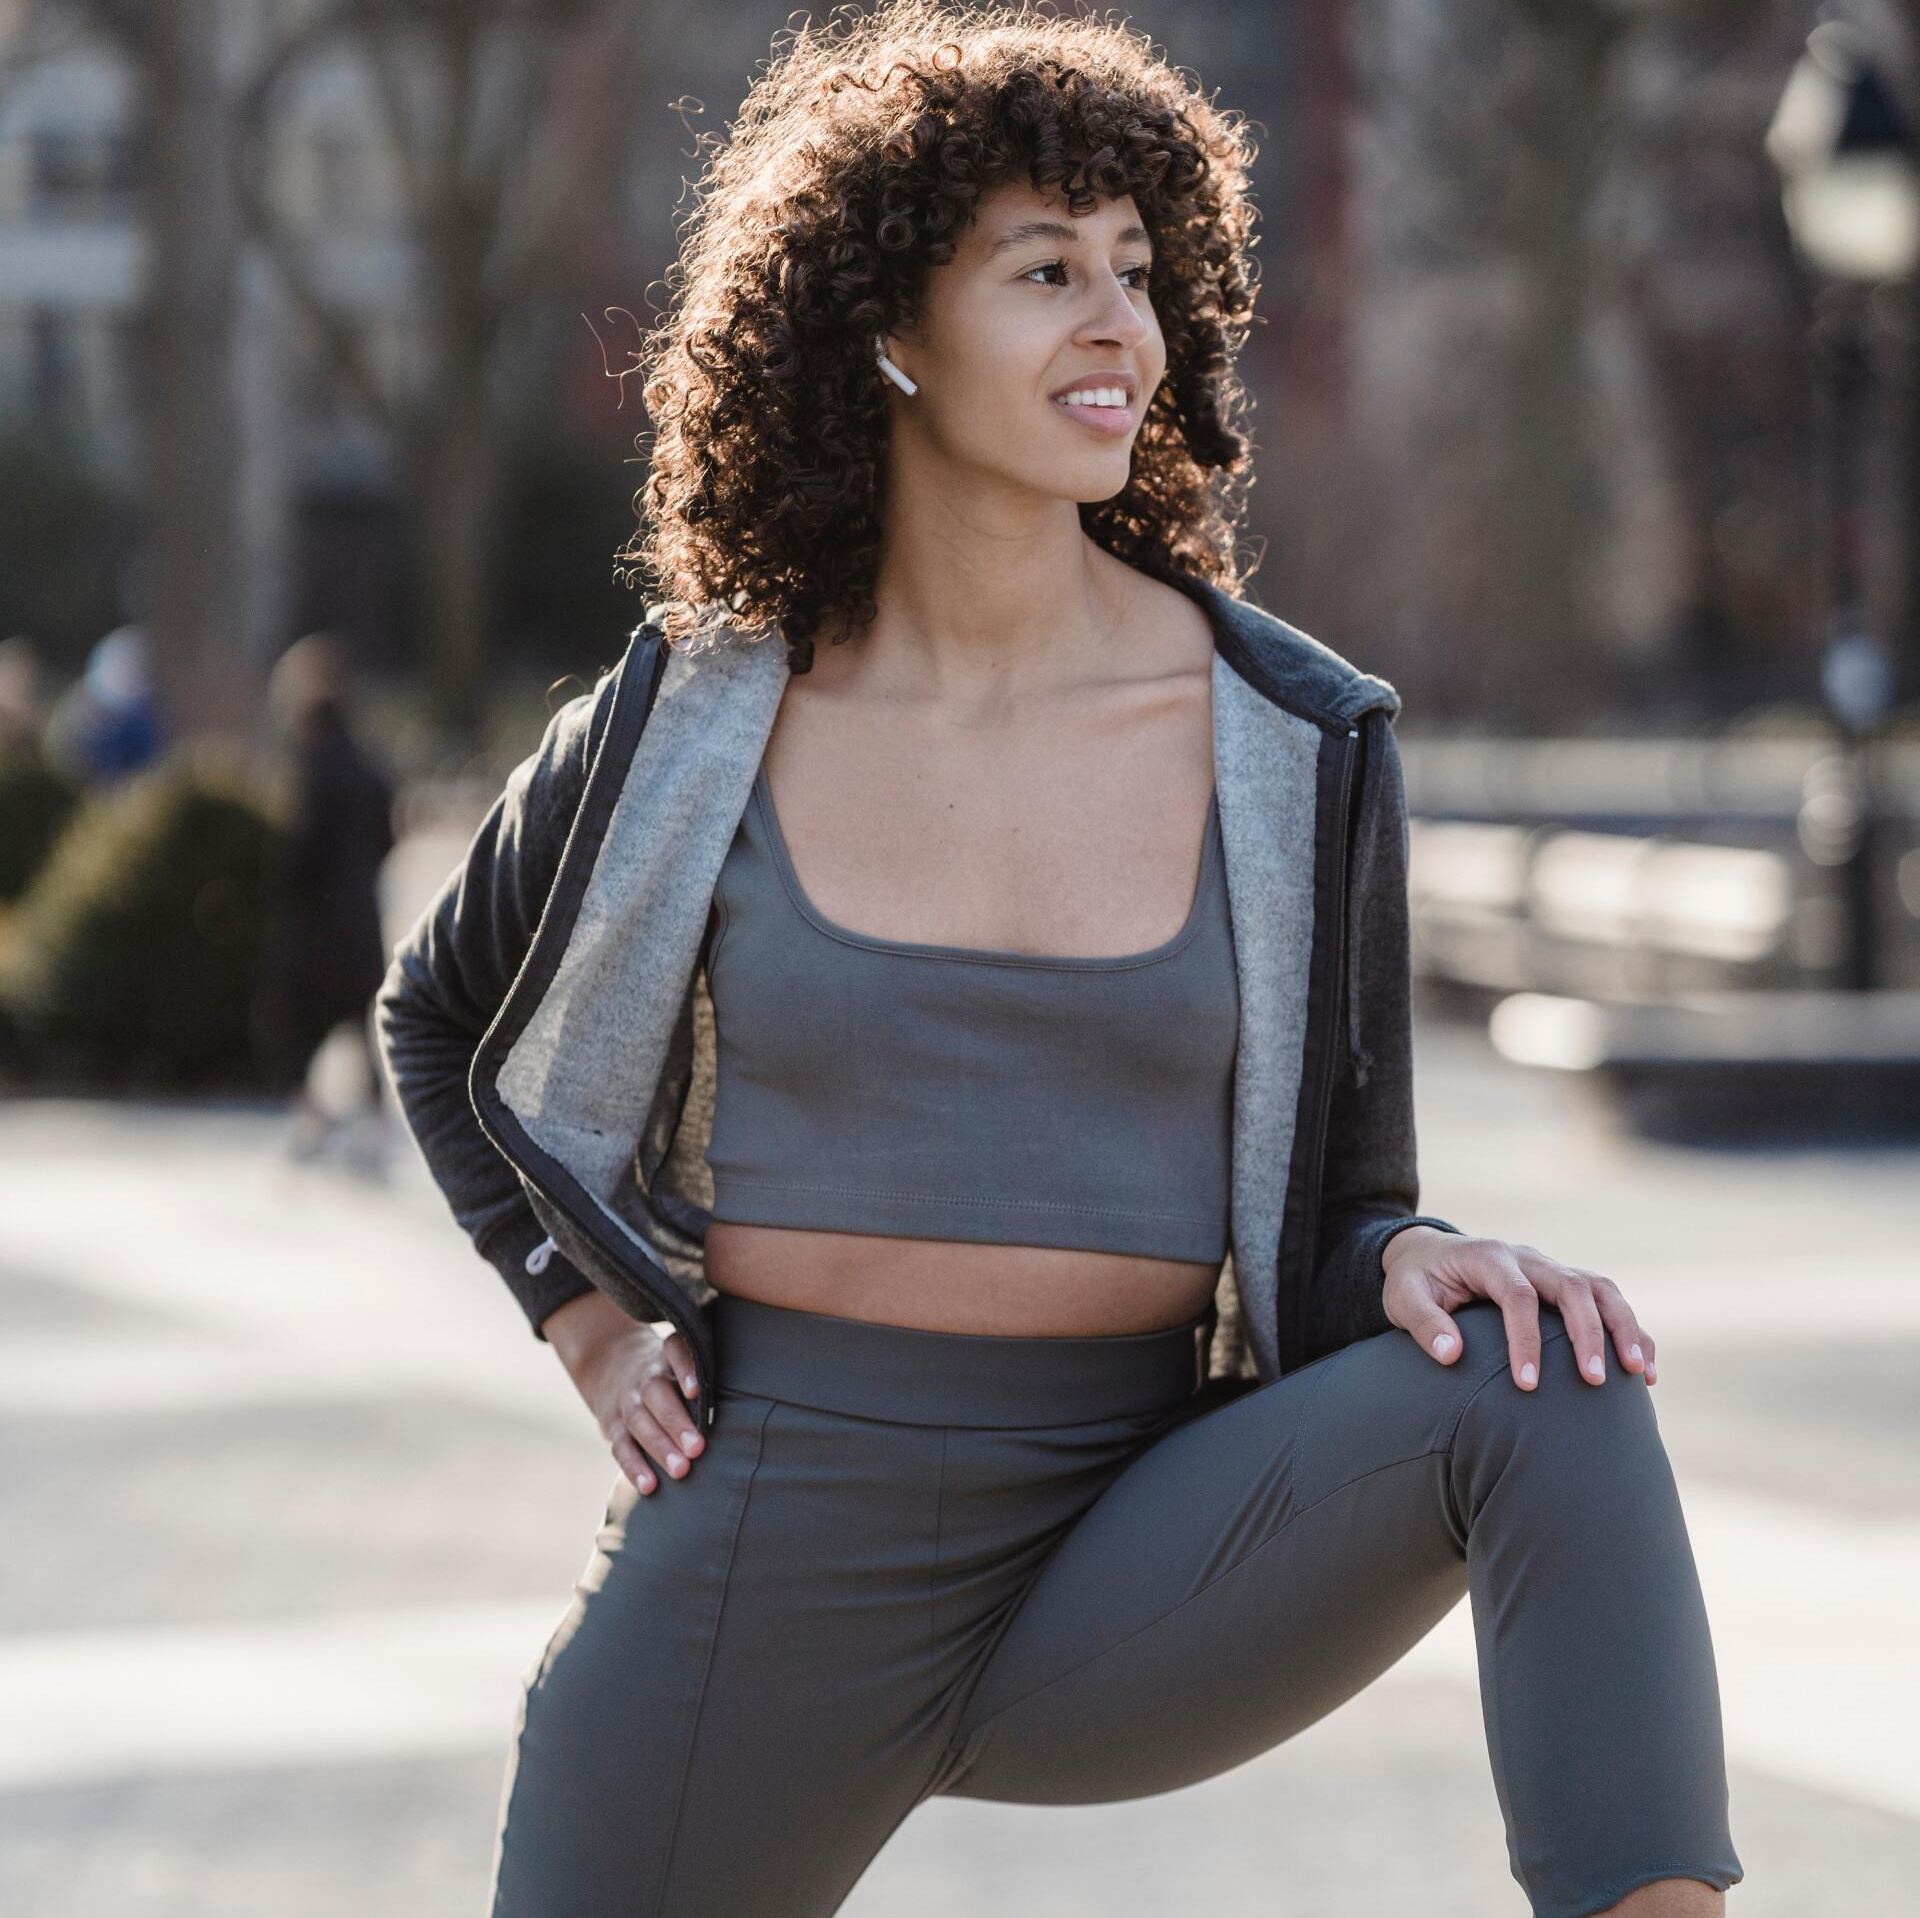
{"x":870,"y":1370}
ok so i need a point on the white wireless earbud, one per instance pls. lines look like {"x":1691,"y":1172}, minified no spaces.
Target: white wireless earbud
{"x":892,"y":372}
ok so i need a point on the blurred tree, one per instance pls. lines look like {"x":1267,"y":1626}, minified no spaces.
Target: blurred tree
{"x":1904,"y":65}
{"x":507,"y":123}
{"x":182,"y":55}
{"x":1580,"y":365}
{"x":1485,"y":131}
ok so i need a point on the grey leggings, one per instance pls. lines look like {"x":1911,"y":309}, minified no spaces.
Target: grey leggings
{"x":1036,"y":1570}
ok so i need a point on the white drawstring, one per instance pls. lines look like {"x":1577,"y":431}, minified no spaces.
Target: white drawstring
{"x":541,"y":1253}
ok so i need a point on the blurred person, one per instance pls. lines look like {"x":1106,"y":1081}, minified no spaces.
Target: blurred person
{"x":108,"y":723}
{"x":326,"y":950}
{"x":19,"y":694}
{"x":918,"y":1024}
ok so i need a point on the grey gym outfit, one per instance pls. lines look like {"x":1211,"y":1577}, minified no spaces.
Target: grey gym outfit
{"x":1032,"y":1570}
{"x":548,"y":1025}
{"x":948,"y":1092}
{"x":911,"y":1563}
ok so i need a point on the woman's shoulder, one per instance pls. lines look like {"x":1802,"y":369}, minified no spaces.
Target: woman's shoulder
{"x":1285,"y":662}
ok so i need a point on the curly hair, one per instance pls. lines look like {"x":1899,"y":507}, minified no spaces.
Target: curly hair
{"x":858,"y":159}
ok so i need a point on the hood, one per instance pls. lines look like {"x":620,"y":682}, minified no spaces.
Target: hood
{"x":1329,"y":688}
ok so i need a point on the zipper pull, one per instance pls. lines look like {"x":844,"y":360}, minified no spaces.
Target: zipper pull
{"x":538,"y":1258}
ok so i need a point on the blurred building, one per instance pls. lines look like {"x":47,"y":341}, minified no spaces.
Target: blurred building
{"x":69,"y":254}
{"x":313,"y":487}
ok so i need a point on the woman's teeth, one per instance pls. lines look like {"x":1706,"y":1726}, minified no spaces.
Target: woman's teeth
{"x":1094,"y":396}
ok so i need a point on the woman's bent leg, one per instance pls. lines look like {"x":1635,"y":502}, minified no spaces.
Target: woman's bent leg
{"x":728,"y":1721}
{"x":1259,"y":1564}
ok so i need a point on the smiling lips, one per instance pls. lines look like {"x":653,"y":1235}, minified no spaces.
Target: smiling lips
{"x":1105,"y":409}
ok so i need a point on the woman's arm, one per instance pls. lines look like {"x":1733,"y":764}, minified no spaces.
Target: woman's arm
{"x":1370,"y":1182}
{"x":450,"y":975}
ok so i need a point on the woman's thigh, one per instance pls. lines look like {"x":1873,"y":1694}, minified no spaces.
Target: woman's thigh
{"x":733,"y":1715}
{"x":1247,"y":1573}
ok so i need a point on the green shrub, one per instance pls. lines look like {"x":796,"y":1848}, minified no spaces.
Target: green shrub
{"x":35,"y":803}
{"x":133,"y":959}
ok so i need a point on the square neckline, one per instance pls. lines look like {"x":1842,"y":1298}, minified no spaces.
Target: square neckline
{"x":986,"y":955}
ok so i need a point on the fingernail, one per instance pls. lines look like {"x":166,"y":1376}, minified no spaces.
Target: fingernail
{"x":674,"y":1461}
{"x":1597,"y":1366}
{"x":1443,"y":1344}
{"x":1529,"y":1372}
{"x":688,"y":1381}
{"x":687,"y":1439}
{"x":1633,"y":1351}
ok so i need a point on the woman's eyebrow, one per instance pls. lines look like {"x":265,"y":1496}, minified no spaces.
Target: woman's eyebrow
{"x":1054,"y":230}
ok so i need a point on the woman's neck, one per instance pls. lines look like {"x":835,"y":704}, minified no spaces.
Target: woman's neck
{"x":975,"y":595}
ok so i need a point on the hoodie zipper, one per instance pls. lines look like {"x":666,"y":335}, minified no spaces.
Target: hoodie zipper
{"x":1323,"y":1091}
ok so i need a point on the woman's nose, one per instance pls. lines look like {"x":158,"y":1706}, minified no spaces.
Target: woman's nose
{"x":1118,"y":319}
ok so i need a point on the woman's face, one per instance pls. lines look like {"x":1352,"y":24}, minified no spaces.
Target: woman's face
{"x":1036,"y":303}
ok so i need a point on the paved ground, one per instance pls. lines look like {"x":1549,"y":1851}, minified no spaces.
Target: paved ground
{"x":291,"y":1499}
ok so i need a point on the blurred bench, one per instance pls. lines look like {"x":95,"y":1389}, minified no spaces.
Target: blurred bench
{"x":1507,"y":907}
{"x":1635,"y":868}
{"x":1823,"y":1063}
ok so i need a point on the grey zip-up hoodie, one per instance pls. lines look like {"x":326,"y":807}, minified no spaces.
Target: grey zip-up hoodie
{"x":549,"y":1033}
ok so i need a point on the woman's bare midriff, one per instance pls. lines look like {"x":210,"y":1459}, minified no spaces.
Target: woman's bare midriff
{"x":944,"y":1285}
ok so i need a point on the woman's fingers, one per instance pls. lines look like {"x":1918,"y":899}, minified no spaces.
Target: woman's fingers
{"x":1517,"y":1278}
{"x":1513,"y":1292}
{"x":1595,"y":1311}
{"x":1412,"y":1295}
{"x":627,"y":1455}
{"x":1631,"y":1339}
{"x":676,"y":1422}
{"x":1432,"y":1329}
{"x":644,"y":1430}
{"x":680,"y":1357}
{"x":1567,"y":1289}
{"x":654,"y":1420}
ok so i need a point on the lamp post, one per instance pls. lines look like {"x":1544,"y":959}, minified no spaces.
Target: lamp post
{"x":1846,"y":156}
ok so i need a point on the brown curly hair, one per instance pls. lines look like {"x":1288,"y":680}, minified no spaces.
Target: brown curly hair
{"x":858,"y":158}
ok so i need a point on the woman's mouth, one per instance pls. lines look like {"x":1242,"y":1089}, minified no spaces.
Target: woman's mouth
{"x":1103,"y":408}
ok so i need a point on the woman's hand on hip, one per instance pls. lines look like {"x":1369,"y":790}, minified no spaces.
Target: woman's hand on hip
{"x":632,"y":1380}
{"x":1430,"y":1273}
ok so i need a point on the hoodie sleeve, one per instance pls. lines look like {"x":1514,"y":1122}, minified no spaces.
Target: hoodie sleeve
{"x":1370,"y":1180}
{"x":450,"y":975}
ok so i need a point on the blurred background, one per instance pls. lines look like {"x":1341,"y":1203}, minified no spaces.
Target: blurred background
{"x":1586,"y":413}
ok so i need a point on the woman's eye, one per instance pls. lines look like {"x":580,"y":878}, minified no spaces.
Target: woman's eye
{"x":1060,"y":266}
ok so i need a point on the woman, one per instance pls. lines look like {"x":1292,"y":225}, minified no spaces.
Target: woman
{"x":932,"y":1027}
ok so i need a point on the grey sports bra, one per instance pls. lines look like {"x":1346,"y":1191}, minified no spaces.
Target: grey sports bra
{"x":944,"y":1092}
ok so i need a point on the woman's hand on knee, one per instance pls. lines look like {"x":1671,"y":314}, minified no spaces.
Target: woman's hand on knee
{"x":1430,"y":1274}
{"x":632,"y":1382}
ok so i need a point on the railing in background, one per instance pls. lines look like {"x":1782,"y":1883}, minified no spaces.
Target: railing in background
{"x":1635,"y":869}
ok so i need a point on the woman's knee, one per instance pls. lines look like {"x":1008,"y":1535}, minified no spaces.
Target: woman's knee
{"x":1583,"y":1432}
{"x":1445,"y":1388}
{"x":1486,"y":1344}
